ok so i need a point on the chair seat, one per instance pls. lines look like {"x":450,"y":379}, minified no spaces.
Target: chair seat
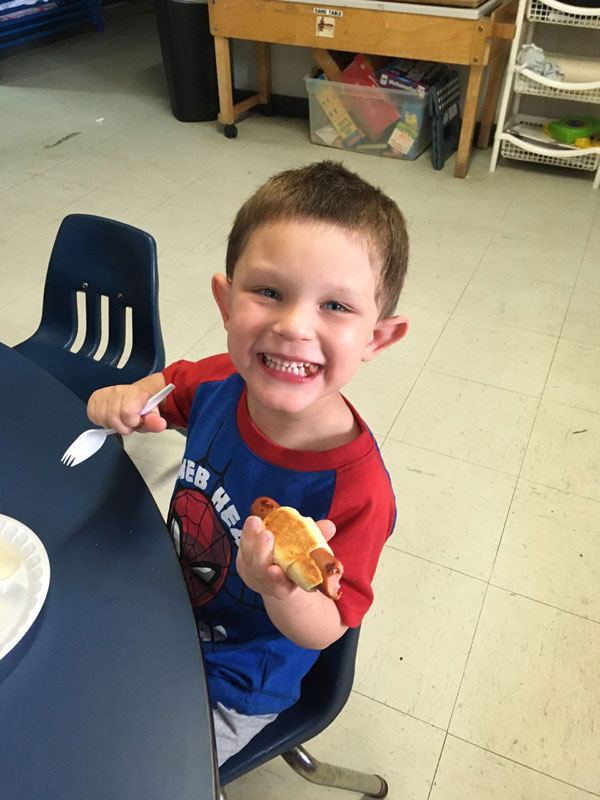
{"x":324,"y":692}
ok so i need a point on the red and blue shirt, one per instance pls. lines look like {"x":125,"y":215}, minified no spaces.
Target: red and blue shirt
{"x":250,"y":666}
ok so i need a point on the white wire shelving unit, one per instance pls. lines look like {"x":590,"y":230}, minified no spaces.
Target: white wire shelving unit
{"x":581,"y":84}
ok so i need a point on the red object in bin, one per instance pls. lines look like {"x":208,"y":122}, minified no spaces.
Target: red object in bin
{"x":375,"y":114}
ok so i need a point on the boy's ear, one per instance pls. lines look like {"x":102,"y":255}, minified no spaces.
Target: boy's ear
{"x":221,"y":289}
{"x":386,"y":332}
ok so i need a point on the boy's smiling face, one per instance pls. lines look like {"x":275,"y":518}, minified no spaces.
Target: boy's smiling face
{"x":301,"y":315}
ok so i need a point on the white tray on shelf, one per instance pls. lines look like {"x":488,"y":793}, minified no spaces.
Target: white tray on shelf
{"x":525,"y":148}
{"x":581,"y":82}
{"x":563,"y":14}
{"x":517,"y":148}
{"x":535,"y":134}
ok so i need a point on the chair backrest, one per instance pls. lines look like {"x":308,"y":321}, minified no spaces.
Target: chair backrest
{"x":113,"y":268}
{"x":325,"y":690}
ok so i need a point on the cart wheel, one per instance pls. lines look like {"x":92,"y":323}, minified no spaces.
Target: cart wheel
{"x":230,"y":131}
{"x":267,"y":110}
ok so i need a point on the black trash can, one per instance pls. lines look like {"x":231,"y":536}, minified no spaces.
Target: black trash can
{"x":188,"y":52}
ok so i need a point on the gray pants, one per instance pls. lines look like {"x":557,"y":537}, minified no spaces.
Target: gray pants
{"x":233,"y":731}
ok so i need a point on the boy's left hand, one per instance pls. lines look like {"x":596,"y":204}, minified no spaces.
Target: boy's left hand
{"x":255,"y":560}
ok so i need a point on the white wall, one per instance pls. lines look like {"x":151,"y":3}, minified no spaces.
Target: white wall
{"x":289,"y":65}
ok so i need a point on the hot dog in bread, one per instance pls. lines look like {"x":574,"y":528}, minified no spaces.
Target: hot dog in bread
{"x":299,"y":548}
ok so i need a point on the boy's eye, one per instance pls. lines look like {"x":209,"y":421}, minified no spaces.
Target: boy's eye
{"x":271,"y":293}
{"x":333,"y":305}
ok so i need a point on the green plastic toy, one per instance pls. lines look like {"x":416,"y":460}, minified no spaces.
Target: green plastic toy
{"x":578,"y":131}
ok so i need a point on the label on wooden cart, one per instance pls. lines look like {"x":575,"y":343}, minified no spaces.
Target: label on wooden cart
{"x":325,"y":26}
{"x":325,"y":23}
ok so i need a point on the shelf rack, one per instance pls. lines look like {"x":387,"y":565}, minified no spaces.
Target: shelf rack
{"x":562,"y":14}
{"x":23,"y":22}
{"x":581,"y":84}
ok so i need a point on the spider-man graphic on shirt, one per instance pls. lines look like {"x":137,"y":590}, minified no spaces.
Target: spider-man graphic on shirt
{"x":202,"y":543}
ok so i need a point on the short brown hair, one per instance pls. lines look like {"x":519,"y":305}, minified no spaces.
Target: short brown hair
{"x":328,"y":192}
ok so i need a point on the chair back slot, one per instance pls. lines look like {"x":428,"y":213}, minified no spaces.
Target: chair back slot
{"x":79,"y":323}
{"x":113,"y":322}
{"x":93,"y":324}
{"x":127,"y":339}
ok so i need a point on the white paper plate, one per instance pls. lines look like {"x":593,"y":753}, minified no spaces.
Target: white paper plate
{"x":22,"y":594}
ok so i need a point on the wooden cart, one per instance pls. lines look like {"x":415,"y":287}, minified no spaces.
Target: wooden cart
{"x":367,"y":26}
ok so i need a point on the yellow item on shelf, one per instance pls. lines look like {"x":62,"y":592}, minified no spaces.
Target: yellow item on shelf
{"x":566,"y":130}
{"x":337,"y":113}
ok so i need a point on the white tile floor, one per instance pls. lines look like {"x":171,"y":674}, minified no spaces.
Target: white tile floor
{"x":478,"y":669}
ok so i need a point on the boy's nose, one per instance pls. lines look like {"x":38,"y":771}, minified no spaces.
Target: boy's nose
{"x":293,"y":323}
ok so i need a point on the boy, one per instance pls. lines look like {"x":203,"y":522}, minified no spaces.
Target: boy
{"x":315,"y":264}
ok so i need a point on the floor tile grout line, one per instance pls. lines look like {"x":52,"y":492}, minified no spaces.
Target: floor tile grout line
{"x":515,"y":198}
{"x":504,"y":325}
{"x":444,"y":326}
{"x":453,"y":457}
{"x":480,"y":319}
{"x":539,"y":399}
{"x":525,"y":766}
{"x":562,"y":491}
{"x":569,"y":405}
{"x":468,"y":656}
{"x":514,"y":475}
{"x":514,"y":593}
{"x":447,"y":734}
{"x":478,"y":265}
{"x":496,"y":271}
{"x":468,"y":283}
{"x":515,"y":391}
{"x":437,"y":371}
{"x":476,"y":268}
{"x":436,"y":563}
{"x":399,"y":710}
{"x":403,"y":404}
{"x":437,"y":766}
{"x":489,"y":582}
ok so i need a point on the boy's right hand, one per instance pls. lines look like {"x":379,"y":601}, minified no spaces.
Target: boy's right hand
{"x":119,"y":407}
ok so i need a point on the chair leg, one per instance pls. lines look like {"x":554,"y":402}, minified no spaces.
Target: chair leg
{"x":338,"y":777}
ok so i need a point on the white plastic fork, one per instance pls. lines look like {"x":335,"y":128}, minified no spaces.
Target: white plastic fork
{"x":90,"y":441}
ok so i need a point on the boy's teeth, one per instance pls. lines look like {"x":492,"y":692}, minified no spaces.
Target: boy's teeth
{"x":304,"y":368}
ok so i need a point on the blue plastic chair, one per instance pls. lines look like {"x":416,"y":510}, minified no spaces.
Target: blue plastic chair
{"x":324,"y":692}
{"x":101,"y":258}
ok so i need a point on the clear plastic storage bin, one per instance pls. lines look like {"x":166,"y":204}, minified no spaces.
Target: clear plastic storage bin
{"x":368,"y":119}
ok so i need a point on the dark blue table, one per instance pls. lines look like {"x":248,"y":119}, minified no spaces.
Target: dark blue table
{"x":104,"y":698}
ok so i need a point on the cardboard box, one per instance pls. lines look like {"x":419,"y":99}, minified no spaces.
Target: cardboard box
{"x":411,"y":75}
